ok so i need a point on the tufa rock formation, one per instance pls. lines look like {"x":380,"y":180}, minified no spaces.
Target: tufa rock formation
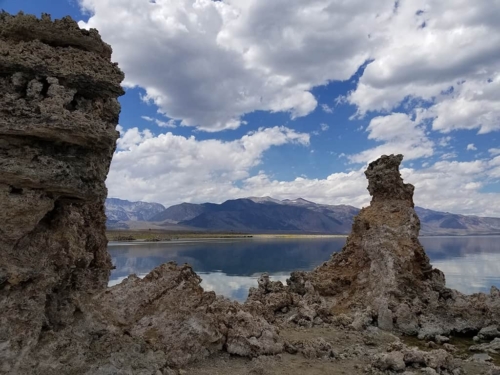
{"x":58,"y":113}
{"x":382,"y":274}
{"x":382,"y":261}
{"x":383,"y":267}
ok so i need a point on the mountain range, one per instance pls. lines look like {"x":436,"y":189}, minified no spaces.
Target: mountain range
{"x":268,"y":215}
{"x":119,"y":210}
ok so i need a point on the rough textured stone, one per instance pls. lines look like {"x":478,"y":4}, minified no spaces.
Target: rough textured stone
{"x":404,"y":357}
{"x":391,"y":361}
{"x":56,"y":144}
{"x":491,"y":347}
{"x":60,"y":33}
{"x":406,"y":320}
{"x":384,"y":317}
{"x":58,"y":114}
{"x":488,"y":333}
{"x":441,"y":339}
{"x":382,"y":261}
{"x":383,"y":274}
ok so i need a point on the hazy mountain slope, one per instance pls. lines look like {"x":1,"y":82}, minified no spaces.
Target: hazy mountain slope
{"x":179,"y":212}
{"x":266,"y":216}
{"x":118,"y":210}
{"x":435,"y":222}
{"x":343,"y":213}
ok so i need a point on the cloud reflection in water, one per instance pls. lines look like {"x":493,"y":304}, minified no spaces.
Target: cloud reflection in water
{"x":230,"y":268}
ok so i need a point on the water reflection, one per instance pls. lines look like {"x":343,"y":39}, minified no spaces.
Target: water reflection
{"x":471,"y":264}
{"x":231,"y":267}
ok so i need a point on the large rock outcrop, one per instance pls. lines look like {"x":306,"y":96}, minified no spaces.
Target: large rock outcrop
{"x":58,"y":113}
{"x":382,"y":259}
{"x":382,"y":273}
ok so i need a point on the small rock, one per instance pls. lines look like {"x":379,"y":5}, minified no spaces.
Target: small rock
{"x":441,"y":339}
{"x":432,"y":345}
{"x":385,"y":318}
{"x":318,"y":321}
{"x":290,"y":348}
{"x":492,"y":347}
{"x":415,"y":358}
{"x":489,"y":333}
{"x":475,"y":338}
{"x":429,"y":371}
{"x":406,"y":321}
{"x":449,"y":348}
{"x":439,"y":359}
{"x":342,"y":320}
{"x":390,"y":361}
{"x":481,"y":358}
{"x":361,"y":320}
{"x":395,"y":346}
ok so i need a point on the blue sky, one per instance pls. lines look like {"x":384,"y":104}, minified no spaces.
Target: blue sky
{"x":289,"y":98}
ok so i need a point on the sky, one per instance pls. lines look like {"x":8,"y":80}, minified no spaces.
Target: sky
{"x":287,"y":98}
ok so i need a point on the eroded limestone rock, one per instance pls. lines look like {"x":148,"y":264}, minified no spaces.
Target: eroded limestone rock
{"x":383,"y":274}
{"x":58,"y":113}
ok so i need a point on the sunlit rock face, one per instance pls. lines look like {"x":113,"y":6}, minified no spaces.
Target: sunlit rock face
{"x":384,"y":269}
{"x":382,"y":276}
{"x":382,"y":261}
{"x":58,"y":113}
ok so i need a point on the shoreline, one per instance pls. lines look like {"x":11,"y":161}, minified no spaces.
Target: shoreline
{"x":157,"y":236}
{"x":152,"y":236}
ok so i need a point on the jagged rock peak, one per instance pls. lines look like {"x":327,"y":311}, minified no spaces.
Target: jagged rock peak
{"x":385,"y":182}
{"x":383,"y":273}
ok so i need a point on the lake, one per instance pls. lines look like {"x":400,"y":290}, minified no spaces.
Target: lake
{"x":231,"y":266}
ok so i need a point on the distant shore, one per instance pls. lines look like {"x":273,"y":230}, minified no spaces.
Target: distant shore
{"x":155,"y":235}
{"x":158,"y":236}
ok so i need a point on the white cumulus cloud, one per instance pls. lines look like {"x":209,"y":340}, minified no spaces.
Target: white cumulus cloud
{"x":398,"y":134}
{"x":207,"y":63}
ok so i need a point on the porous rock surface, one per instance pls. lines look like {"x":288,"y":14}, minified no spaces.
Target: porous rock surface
{"x":58,"y":113}
{"x":57,"y":137}
{"x":382,"y":274}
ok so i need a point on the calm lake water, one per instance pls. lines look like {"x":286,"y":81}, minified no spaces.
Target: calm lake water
{"x":231,"y":267}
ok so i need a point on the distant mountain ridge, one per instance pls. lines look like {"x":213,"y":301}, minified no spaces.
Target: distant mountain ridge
{"x":250,"y":216}
{"x":122,"y":210}
{"x":179,"y":212}
{"x":269,"y":215}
